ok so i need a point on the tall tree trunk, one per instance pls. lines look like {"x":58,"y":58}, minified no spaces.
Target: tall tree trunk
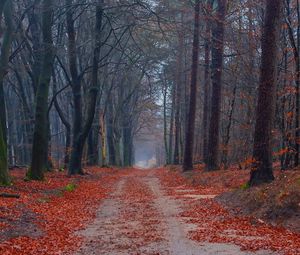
{"x":110,"y":134}
{"x":2,"y":4}
{"x":34,"y":20}
{"x":262,"y":170}
{"x":171,"y":131}
{"x":165,"y":92}
{"x":76,"y":91}
{"x":295,"y":46}
{"x":297,"y":116}
{"x":189,"y":141}
{"x":228,"y":128}
{"x":40,"y":135}
{"x":178,"y":97}
{"x":27,"y":118}
{"x":4,"y":175}
{"x":5,"y":51}
{"x":65,"y":122}
{"x":206,"y":84}
{"x":217,"y":68}
{"x":127,"y":145}
{"x":91,"y":148}
{"x":6,"y":8}
{"x":102,"y":140}
{"x":75,"y":166}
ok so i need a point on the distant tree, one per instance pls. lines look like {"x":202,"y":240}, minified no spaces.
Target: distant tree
{"x":262,"y":170}
{"x":189,"y":142}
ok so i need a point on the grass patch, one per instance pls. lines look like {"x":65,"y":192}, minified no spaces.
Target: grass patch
{"x":70,"y":187}
{"x":245,"y":186}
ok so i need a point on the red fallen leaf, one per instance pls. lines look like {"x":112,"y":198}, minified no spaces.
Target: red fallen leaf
{"x":60,"y":215}
{"x":217,"y":225}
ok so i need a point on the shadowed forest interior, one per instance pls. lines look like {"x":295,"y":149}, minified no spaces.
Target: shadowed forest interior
{"x":196,"y":87}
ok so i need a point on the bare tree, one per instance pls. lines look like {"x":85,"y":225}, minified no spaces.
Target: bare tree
{"x":81,"y":130}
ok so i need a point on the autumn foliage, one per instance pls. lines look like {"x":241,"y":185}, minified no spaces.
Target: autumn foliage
{"x":217,"y":224}
{"x":56,"y":213}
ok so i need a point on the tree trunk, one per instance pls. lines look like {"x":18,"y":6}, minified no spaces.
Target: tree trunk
{"x":287,"y":134}
{"x":4,"y":175}
{"x":6,"y":8}
{"x":165,"y":92}
{"x":110,"y":136}
{"x":65,"y":123}
{"x":27,"y":118}
{"x":217,"y":68}
{"x":297,"y":122}
{"x":2,"y":3}
{"x":75,"y":165}
{"x":102,"y":140}
{"x":5,"y":51}
{"x":127,"y":146}
{"x":34,"y":20}
{"x":40,"y":136}
{"x":262,"y":170}
{"x":206,"y":85}
{"x":189,"y":142}
{"x":178,"y":97}
{"x":80,"y":137}
{"x":228,"y":128}
{"x":91,"y":148}
{"x":171,"y":132}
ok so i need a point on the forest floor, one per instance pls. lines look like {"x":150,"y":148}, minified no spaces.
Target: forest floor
{"x":132,"y":211}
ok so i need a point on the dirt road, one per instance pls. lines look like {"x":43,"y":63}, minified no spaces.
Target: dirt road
{"x":139,"y":218}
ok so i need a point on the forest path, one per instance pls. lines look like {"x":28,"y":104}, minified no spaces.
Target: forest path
{"x":139,"y":218}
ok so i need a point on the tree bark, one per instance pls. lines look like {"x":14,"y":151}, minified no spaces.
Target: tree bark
{"x":110,"y":136}
{"x":228,"y":129}
{"x":4,"y":175}
{"x":217,"y":68}
{"x":205,"y":121}
{"x":6,"y":8}
{"x":34,"y":20}
{"x":5,"y":51}
{"x":189,"y":142}
{"x":262,"y":170}
{"x":65,"y":122}
{"x":179,"y":84}
{"x":297,"y":122}
{"x":40,"y":135}
{"x":171,"y":130}
{"x":165,"y":93}
{"x":79,"y":137}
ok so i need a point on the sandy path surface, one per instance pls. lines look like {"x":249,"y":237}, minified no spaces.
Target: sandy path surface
{"x":139,"y":218}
